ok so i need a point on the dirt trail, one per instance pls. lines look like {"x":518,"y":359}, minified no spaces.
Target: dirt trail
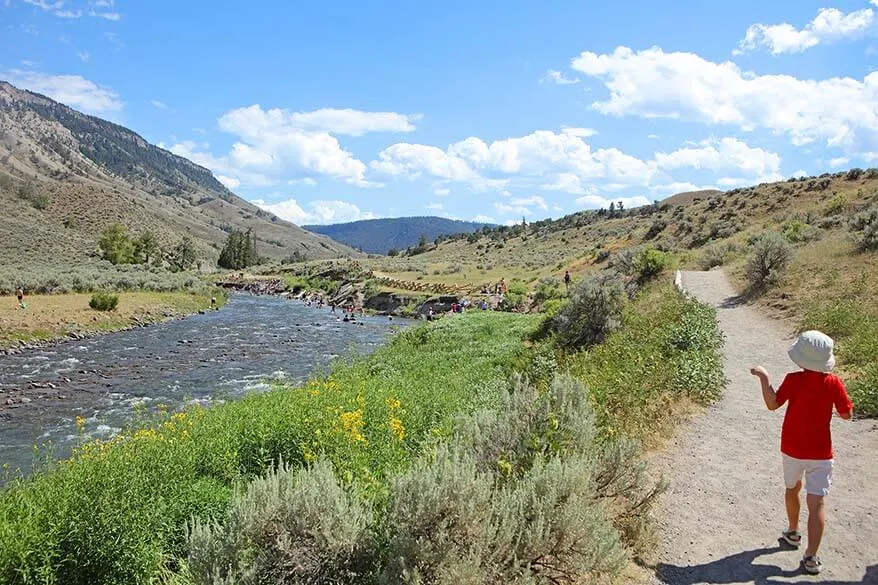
{"x":723,"y":513}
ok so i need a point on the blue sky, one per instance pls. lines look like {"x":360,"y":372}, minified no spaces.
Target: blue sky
{"x":332,"y":111}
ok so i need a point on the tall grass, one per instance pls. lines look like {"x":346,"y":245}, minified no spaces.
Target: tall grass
{"x":116,"y":511}
{"x":666,"y":350}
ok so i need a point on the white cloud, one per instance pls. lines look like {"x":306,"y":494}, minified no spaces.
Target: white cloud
{"x":441,"y":192}
{"x":159,"y":104}
{"x":839,"y":162}
{"x":685,"y":86}
{"x":230,"y":182}
{"x":580,"y":132}
{"x":567,"y":182}
{"x":320,"y":212}
{"x":597,"y":202}
{"x":72,"y":90}
{"x":802,"y":173}
{"x":535,"y":156}
{"x":870,"y":156}
{"x":829,"y":25}
{"x":114,"y":16}
{"x":58,"y":9}
{"x":83,"y":56}
{"x":724,"y":154}
{"x":679,"y":187}
{"x":534,"y":200}
{"x":484,"y":219}
{"x":277,"y":145}
{"x":331,"y":121}
{"x":434,"y":206}
{"x":557,"y":77}
{"x":504,"y":209}
{"x":733,"y":182}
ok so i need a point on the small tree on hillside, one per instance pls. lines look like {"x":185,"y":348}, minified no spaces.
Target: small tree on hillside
{"x":239,"y":251}
{"x":115,"y":245}
{"x":182,"y":257}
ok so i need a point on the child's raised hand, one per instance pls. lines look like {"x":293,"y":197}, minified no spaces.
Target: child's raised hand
{"x":759,"y":372}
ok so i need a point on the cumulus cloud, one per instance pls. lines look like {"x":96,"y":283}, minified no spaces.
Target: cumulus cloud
{"x":434,"y":206}
{"x":159,"y":104}
{"x":839,"y":162}
{"x":484,"y":219}
{"x":441,"y":192}
{"x":685,"y":86}
{"x":734,"y":182}
{"x":829,"y":25}
{"x":331,"y":121}
{"x":318,"y":212}
{"x":277,"y":145}
{"x":72,"y":90}
{"x":724,"y":154}
{"x":557,"y":77}
{"x":532,"y":157}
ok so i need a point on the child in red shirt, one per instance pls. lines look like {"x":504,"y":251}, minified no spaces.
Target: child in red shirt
{"x":806,"y":442}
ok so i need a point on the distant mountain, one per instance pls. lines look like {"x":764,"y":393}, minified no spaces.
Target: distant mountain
{"x":65,"y":176}
{"x":378,"y":236}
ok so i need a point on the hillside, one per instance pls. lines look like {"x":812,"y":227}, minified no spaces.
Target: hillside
{"x":378,"y":236}
{"x":65,"y":176}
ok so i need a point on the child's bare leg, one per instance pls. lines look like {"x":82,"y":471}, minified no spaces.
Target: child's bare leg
{"x":793,"y":506}
{"x":816,"y":522}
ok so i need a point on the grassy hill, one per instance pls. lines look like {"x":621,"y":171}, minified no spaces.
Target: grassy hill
{"x":65,"y":176}
{"x":828,"y":224}
{"x":379,"y":236}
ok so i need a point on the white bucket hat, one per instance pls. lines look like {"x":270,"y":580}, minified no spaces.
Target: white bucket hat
{"x":813,"y":351}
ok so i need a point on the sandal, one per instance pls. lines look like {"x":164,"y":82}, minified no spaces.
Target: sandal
{"x":812,"y":564}
{"x":792,"y":538}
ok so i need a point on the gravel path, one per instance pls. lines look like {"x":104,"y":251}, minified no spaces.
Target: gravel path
{"x":723,"y":513}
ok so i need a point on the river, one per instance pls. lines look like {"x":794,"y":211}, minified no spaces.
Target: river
{"x":112,"y":379}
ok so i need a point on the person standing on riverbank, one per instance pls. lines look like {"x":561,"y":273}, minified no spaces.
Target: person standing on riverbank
{"x":20,"y":295}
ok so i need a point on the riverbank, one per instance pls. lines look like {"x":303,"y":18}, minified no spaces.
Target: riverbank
{"x":116,"y":511}
{"x":58,"y":317}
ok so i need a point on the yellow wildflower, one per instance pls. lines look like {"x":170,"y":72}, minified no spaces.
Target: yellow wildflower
{"x":397,"y":427}
{"x":392,"y":403}
{"x":80,"y":423}
{"x":352,"y":422}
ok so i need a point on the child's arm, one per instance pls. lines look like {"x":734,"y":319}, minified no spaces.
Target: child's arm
{"x":768,"y":393}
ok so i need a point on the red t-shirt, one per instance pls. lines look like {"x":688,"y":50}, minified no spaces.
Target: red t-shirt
{"x":812,"y":395}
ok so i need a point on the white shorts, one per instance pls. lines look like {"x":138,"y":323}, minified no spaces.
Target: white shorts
{"x":817,"y":472}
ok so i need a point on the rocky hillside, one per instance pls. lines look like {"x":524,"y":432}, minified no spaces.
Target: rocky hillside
{"x":65,"y":176}
{"x":379,"y":236}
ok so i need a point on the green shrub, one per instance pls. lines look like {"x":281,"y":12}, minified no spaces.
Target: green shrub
{"x":649,"y":263}
{"x":515,"y":298}
{"x":523,"y":494}
{"x":768,"y":261}
{"x":667,"y":348}
{"x":866,"y":225}
{"x":592,"y":312}
{"x":716,"y":255}
{"x":837,"y":205}
{"x":291,"y":526}
{"x":797,"y":231}
{"x":101,"y":301}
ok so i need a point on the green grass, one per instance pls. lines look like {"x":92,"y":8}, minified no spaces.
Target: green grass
{"x":667,"y":351}
{"x":855,"y":329}
{"x":116,"y":512}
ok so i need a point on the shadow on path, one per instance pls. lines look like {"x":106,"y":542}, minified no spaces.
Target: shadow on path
{"x":733,"y":301}
{"x":740,"y":568}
